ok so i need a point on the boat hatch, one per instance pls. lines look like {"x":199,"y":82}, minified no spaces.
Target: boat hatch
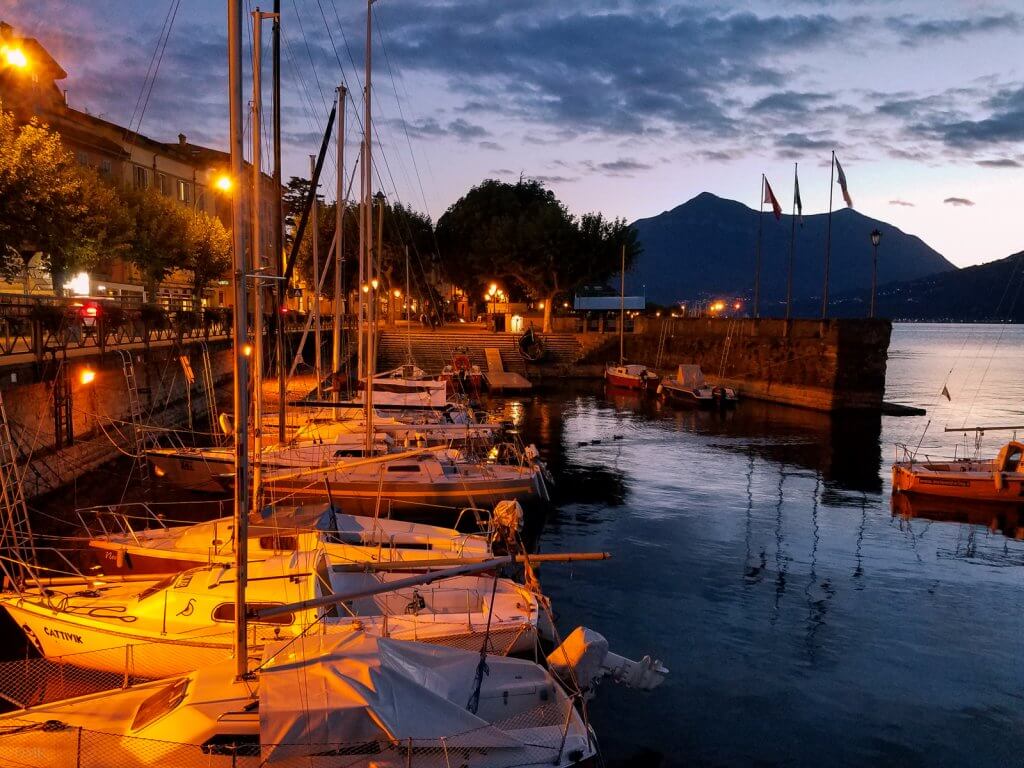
{"x":404,"y":468}
{"x":160,"y":703}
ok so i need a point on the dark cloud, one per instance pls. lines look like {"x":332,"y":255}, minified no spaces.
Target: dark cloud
{"x":555,"y":179}
{"x":1004,"y":123}
{"x":914,"y":31}
{"x":959,"y":201}
{"x":790,"y":103}
{"x":619,"y":71}
{"x":1002,"y":162}
{"x":490,"y":145}
{"x":623,"y":166}
{"x":431,"y":128}
{"x":903,"y":203}
{"x":803,"y":141}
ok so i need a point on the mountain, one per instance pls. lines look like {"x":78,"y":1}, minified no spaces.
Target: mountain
{"x":706,"y":247}
{"x":984,"y":293}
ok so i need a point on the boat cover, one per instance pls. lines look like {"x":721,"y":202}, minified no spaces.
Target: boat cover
{"x":691,"y":376}
{"x":320,"y":692}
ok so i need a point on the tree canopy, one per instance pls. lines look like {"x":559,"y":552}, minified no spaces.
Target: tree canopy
{"x":522,"y":232}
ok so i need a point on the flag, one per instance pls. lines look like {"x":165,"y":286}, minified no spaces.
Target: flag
{"x":796,"y":199}
{"x":945,"y":393}
{"x":842,"y":184}
{"x":769,"y":197}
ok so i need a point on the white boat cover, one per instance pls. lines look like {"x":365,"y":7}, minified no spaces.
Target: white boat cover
{"x":321,"y":692}
{"x":691,"y":376}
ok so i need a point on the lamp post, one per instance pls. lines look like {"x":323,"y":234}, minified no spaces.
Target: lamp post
{"x":876,"y":238}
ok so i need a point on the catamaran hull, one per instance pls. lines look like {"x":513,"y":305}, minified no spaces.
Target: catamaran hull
{"x":977,"y":486}
{"x":99,"y":646}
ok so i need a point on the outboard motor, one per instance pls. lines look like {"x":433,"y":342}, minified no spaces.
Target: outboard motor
{"x":584,"y":656}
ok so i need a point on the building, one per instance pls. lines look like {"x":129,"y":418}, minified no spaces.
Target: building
{"x":181,"y":170}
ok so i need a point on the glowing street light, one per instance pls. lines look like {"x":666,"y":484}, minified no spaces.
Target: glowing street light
{"x":375,"y":283}
{"x":14,"y":57}
{"x":86,"y":376}
{"x":223,"y":183}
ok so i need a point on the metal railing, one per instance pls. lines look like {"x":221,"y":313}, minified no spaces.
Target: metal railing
{"x":42,"y":326}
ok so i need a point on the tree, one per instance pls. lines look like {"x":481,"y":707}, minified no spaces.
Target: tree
{"x":158,"y":244}
{"x":522,"y":232}
{"x":49,"y":203}
{"x":208,"y":251}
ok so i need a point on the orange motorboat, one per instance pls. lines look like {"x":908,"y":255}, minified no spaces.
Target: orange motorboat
{"x":998,"y":479}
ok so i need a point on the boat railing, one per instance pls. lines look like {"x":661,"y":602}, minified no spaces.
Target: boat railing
{"x":125,"y":520}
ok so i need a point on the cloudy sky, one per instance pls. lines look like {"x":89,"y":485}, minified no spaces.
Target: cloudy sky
{"x":626,"y":106}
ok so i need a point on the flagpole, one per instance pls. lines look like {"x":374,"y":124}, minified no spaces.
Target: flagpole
{"x":792,"y":244}
{"x":828,"y":238}
{"x":757,"y":263}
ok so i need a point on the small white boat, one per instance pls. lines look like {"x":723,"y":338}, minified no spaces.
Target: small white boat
{"x":319,"y":702}
{"x":134,"y":540}
{"x":691,"y":388}
{"x":406,"y":387}
{"x":168,"y":626}
{"x":999,"y":479}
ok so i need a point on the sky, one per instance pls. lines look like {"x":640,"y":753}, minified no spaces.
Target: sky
{"x":629,"y":107}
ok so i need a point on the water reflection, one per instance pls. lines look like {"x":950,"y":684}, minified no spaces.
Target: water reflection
{"x":1007,"y":519}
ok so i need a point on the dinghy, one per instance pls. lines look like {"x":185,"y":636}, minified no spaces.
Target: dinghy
{"x":692,"y":389}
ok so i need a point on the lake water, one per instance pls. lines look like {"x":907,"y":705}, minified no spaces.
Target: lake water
{"x":805,"y":622}
{"x":756,"y":553}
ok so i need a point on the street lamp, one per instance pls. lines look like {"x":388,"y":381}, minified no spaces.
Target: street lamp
{"x":876,"y":238}
{"x":14,"y":57}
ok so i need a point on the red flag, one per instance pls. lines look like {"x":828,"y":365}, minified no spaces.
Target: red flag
{"x":769,"y":197}
{"x":842,"y":184}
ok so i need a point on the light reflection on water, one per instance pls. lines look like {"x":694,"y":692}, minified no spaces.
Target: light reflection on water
{"x":755,"y":552}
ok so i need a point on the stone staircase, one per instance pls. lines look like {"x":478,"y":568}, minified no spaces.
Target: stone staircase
{"x":432,"y":350}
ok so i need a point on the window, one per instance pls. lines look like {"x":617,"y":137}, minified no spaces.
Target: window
{"x":105,"y":167}
{"x":141,"y":177}
{"x":160,"y":703}
{"x":163,"y":184}
{"x":403,"y":467}
{"x":226,"y":612}
{"x":184,"y":191}
{"x":82,"y":157}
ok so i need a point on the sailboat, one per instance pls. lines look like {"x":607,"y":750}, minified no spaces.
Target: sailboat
{"x":142,"y":544}
{"x":355,"y":699}
{"x":1000,"y":479}
{"x":627,"y":375}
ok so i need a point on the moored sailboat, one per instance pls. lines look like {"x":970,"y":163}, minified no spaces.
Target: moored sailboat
{"x":627,"y":375}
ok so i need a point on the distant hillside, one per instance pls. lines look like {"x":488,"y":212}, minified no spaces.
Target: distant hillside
{"x":706,"y":246}
{"x":989,"y":292}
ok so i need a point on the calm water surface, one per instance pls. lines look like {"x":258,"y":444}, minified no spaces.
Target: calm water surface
{"x":805,"y":621}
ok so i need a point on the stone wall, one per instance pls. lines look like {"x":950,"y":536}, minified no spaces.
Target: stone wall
{"x":101,"y":417}
{"x":829,"y":365}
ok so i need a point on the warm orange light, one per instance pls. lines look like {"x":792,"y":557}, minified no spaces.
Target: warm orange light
{"x":14,"y":57}
{"x":398,"y":294}
{"x":87,"y":376}
{"x":375,"y":283}
{"x":366,"y":288}
{"x":540,"y":305}
{"x":493,"y":289}
{"x":247,"y":350}
{"x":223,"y":183}
{"x":736,"y":305}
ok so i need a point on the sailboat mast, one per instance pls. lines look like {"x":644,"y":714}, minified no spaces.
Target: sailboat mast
{"x":241,"y":377}
{"x":622,"y":308}
{"x":276,"y":218}
{"x":408,"y":308}
{"x":316,"y":279}
{"x":367,"y":235}
{"x":339,"y":257}
{"x":257,"y":250}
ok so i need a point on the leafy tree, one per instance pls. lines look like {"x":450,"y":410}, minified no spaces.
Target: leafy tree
{"x":159,"y":240}
{"x":522,"y":232}
{"x":208,"y":251}
{"x":49,"y":203}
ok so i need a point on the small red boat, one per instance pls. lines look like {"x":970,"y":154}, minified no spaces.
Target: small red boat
{"x":632,"y":376}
